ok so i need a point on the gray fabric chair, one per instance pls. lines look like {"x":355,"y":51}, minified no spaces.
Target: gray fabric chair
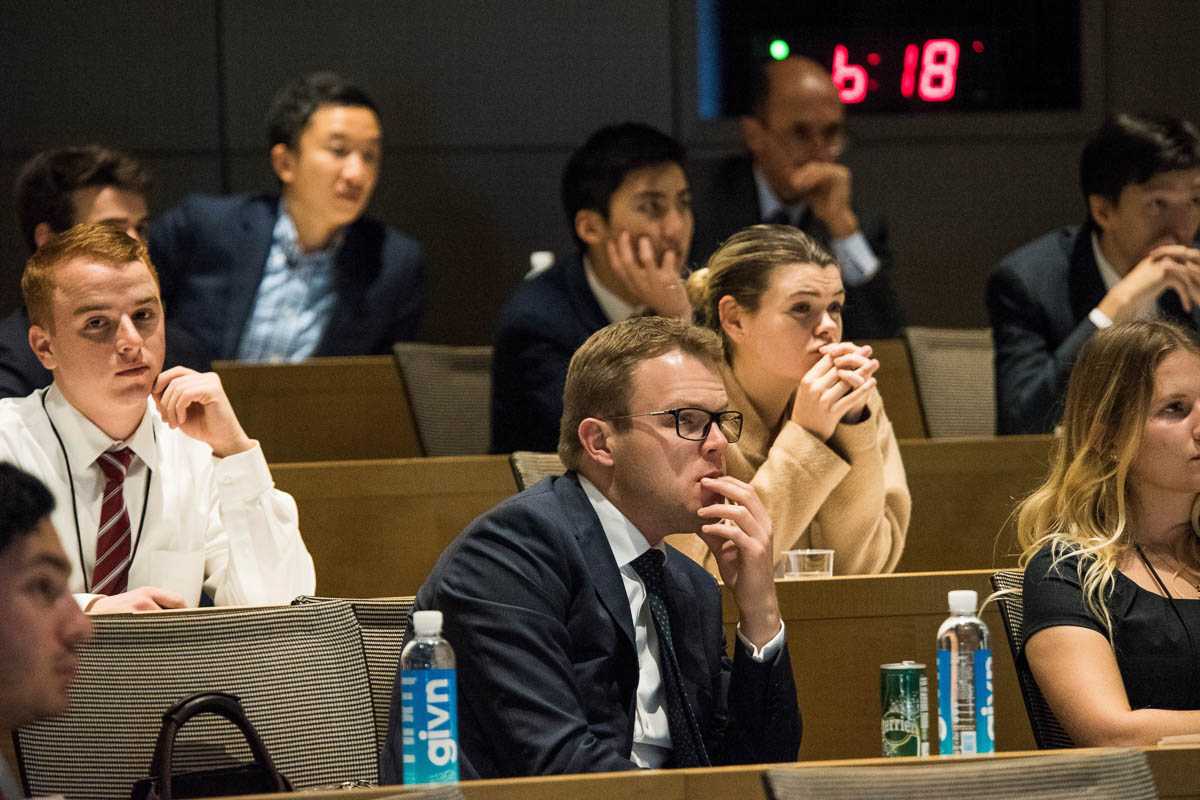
{"x":529,"y":467}
{"x":1047,"y":730}
{"x":449,"y":390}
{"x":299,"y":671}
{"x":1115,"y":774}
{"x":955,"y":379}
{"x":382,"y":623}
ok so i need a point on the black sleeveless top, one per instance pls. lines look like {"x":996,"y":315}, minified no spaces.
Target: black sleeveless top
{"x":1156,"y":650}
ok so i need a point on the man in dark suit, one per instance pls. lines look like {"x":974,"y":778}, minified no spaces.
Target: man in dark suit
{"x":584,"y":643}
{"x":55,"y":190}
{"x":795,"y":133}
{"x":282,"y":278}
{"x":629,"y":209}
{"x":1133,"y":257}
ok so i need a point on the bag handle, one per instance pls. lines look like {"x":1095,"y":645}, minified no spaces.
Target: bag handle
{"x":222,"y":704}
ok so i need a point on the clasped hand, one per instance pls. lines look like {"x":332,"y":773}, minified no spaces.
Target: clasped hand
{"x":835,"y":389}
{"x":1170,"y":267}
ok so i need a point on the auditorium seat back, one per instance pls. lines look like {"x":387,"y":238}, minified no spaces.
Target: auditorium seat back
{"x":1047,"y":730}
{"x":449,"y":389}
{"x":953,"y":367}
{"x":299,"y":671}
{"x":382,"y":623}
{"x":1085,"y":775}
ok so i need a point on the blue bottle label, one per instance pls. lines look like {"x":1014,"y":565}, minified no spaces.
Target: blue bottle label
{"x":985,"y":716}
{"x":945,"y":673}
{"x":983,"y":738}
{"x":429,"y":729}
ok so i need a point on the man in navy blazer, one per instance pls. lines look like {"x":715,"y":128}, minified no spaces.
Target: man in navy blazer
{"x":1134,"y":257}
{"x":561,"y":665}
{"x":629,"y":209}
{"x":285,"y":277}
{"x":56,"y":190}
{"x":795,"y":135}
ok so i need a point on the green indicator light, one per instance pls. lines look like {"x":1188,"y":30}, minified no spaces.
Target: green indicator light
{"x":779,"y":49}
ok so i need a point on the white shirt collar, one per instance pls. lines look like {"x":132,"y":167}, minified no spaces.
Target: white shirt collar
{"x":613,"y":306}
{"x":625,"y":540}
{"x":1107,"y":273}
{"x":84,"y":442}
{"x":769,"y":204}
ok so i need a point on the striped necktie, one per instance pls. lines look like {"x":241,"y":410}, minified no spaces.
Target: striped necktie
{"x":686,"y":741}
{"x":111,"y":575}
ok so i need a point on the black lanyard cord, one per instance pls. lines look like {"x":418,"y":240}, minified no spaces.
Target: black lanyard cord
{"x":75,"y":508}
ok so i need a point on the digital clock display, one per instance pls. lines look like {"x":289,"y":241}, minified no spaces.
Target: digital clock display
{"x":923,"y":57}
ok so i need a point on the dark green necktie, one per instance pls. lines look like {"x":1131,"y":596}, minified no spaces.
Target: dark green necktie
{"x":686,"y":741}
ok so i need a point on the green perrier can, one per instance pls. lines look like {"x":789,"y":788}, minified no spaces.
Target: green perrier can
{"x":904,"y":693}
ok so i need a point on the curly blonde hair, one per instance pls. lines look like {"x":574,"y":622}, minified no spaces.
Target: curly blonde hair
{"x":1082,"y":508}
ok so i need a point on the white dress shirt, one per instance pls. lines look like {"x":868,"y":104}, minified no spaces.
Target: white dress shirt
{"x":613,"y":306}
{"x":853,"y":253}
{"x":215,"y":523}
{"x":651,"y":734}
{"x":1146,"y":310}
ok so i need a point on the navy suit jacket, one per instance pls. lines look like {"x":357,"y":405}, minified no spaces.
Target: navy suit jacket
{"x":540,"y":327}
{"x":536,"y":611}
{"x":727,"y":201}
{"x":22,"y":373}
{"x":1038,"y":299}
{"x":211,"y":253}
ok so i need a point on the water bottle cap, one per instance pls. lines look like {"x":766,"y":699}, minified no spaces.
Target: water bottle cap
{"x":962,"y":601}
{"x":427,"y":623}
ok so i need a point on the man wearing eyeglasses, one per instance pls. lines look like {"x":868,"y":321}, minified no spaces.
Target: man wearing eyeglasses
{"x":795,"y":134}
{"x":584,"y":642}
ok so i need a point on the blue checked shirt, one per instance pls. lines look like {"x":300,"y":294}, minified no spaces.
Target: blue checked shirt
{"x":295,"y":299}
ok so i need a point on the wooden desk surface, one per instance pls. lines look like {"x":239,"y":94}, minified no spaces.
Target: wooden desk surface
{"x":376,"y":528}
{"x":841,"y":630}
{"x":1173,"y":769}
{"x":963,"y":495}
{"x":323,"y":409}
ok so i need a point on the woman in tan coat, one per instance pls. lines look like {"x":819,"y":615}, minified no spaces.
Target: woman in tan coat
{"x":816,"y":443}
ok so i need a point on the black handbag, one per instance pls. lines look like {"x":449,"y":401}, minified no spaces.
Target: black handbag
{"x":256,"y":777}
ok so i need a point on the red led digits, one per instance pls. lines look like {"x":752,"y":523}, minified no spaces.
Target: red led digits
{"x":939,"y":69}
{"x":932,"y":72}
{"x":908,"y":80}
{"x":851,"y":79}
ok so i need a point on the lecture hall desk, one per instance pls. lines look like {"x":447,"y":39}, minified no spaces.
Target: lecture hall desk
{"x":1173,"y":769}
{"x":375,"y":528}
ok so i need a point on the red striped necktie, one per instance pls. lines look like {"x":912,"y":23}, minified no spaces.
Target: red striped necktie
{"x":111,"y":575}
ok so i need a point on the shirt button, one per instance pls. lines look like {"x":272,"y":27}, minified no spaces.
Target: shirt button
{"x":288,"y":313}
{"x":227,"y":480}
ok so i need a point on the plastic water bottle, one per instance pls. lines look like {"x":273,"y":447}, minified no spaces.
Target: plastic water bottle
{"x":966,"y":718}
{"x":429,"y":703}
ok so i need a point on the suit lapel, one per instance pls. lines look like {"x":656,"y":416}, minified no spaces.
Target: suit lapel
{"x":587,"y":309}
{"x":597,"y":555}
{"x":355,"y":259}
{"x":249,"y":254}
{"x":1086,"y":287}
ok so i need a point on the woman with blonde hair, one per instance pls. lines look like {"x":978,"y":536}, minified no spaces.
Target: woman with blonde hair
{"x":1111,"y":547}
{"x":816,"y":443}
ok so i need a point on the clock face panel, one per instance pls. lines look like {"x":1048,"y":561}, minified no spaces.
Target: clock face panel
{"x":912,"y":56}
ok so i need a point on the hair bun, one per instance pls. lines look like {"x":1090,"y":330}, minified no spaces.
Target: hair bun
{"x":697,"y":288}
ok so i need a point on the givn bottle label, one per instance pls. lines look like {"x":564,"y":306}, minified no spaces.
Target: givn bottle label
{"x":429,"y":730}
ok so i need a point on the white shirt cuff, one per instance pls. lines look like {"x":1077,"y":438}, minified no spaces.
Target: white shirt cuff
{"x":243,"y":476}
{"x":859,"y":263}
{"x":768,"y":650}
{"x":1099,"y":318}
